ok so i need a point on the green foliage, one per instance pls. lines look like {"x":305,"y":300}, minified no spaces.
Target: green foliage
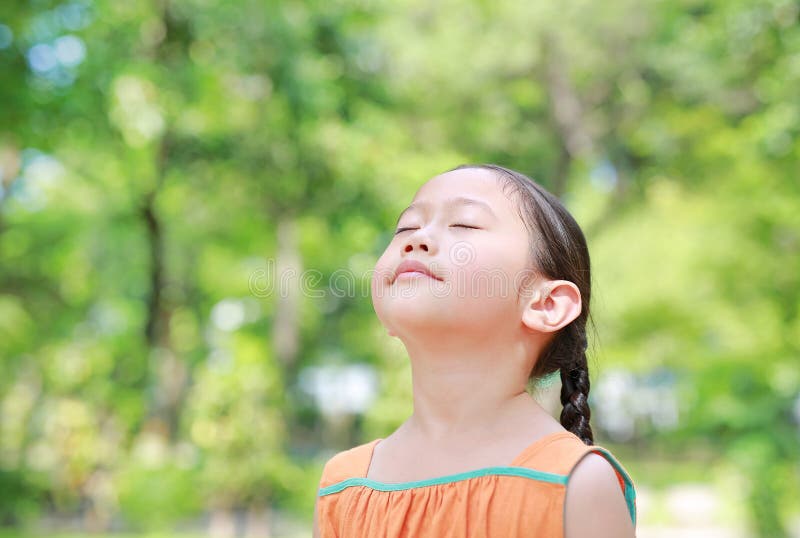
{"x":157,"y":157}
{"x":155,"y":498}
{"x":20,"y":498}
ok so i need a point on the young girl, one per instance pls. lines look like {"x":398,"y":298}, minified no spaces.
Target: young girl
{"x":487,"y":284}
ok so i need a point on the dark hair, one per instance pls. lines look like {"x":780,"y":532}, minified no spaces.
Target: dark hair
{"x":558,"y":252}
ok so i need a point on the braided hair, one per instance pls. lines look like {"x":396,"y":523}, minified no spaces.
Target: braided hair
{"x":559,"y":252}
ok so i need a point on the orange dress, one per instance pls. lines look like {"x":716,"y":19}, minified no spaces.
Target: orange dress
{"x":525,"y":498}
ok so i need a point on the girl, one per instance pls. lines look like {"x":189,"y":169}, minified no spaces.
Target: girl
{"x":487,"y":284}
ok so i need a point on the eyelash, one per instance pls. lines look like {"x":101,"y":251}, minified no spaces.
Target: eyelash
{"x":452,"y":226}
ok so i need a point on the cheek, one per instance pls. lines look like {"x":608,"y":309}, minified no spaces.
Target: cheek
{"x":482,"y":287}
{"x":484,"y":278}
{"x":380,"y":282}
{"x":382,"y":272}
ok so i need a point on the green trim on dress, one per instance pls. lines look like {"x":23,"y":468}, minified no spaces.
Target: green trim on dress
{"x":447,"y":479}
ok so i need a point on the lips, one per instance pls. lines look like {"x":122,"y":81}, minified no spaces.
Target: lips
{"x":412,"y":266}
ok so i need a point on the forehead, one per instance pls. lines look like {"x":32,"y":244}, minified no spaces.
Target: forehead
{"x":479,"y":184}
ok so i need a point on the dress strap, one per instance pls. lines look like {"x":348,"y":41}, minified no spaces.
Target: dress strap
{"x":623,"y":477}
{"x":351,"y":463}
{"x":560,"y":454}
{"x":556,"y":453}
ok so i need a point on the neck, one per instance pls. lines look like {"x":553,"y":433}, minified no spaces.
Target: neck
{"x":465,"y":388}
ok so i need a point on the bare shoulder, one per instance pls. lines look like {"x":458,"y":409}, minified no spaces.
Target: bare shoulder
{"x":595,"y":505}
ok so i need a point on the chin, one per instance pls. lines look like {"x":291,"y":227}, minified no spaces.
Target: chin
{"x":420,"y":329}
{"x":420,"y":315}
{"x":402,"y":314}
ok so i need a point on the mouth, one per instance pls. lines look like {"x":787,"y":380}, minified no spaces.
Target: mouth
{"x":414,"y":269}
{"x":411,"y":274}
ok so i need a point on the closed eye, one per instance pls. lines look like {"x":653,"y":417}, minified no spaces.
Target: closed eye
{"x":399,"y":230}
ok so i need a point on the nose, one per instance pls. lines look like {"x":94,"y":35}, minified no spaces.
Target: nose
{"x":419,"y":240}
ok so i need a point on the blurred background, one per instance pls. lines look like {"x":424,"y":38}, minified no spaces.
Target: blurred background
{"x":193,"y":193}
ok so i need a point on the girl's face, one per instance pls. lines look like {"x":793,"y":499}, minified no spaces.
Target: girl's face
{"x":469,"y":236}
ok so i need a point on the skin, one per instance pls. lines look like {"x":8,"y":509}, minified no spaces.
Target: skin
{"x":471,"y":408}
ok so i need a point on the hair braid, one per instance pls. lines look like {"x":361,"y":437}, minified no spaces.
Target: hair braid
{"x":575,"y":392}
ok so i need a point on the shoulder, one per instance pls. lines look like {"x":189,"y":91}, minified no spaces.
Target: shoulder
{"x":350,"y":463}
{"x":557,"y":452}
{"x":599,"y":497}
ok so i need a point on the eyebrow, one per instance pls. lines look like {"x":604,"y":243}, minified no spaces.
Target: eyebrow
{"x":460,"y":200}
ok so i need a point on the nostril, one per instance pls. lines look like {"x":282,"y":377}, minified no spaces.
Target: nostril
{"x":410,"y":247}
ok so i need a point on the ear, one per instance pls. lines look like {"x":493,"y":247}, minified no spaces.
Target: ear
{"x":552,"y":305}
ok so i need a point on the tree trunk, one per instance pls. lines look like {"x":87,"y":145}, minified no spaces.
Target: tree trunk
{"x":257,"y":522}
{"x":288,"y":269}
{"x":222,"y":523}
